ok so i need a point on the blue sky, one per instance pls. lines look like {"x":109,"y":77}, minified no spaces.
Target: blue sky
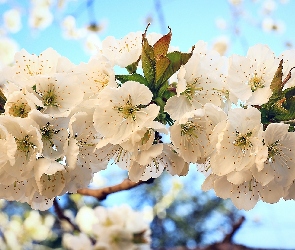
{"x":267,"y":226}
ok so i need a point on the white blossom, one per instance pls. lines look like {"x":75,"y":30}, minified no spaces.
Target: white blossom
{"x":238,"y":142}
{"x":121,"y":111}
{"x":249,"y":77}
{"x":123,"y":52}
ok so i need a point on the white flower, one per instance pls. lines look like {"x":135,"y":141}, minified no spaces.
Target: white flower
{"x":120,"y":111}
{"x":29,"y":65}
{"x":95,"y":75}
{"x":199,"y":82}
{"x":50,"y":177}
{"x":29,"y":144}
{"x":82,"y":156}
{"x":34,"y":198}
{"x":21,"y":103}
{"x":246,"y":194}
{"x":125,"y":51}
{"x":8,"y":147}
{"x":152,"y":162}
{"x":238,"y":142}
{"x":280,"y":163}
{"x":190,"y":136}
{"x":54,"y":133}
{"x":59,"y":93}
{"x":288,"y":57}
{"x":249,"y":77}
{"x":143,"y":139}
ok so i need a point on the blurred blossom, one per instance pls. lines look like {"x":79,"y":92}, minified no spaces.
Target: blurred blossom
{"x":40,"y":17}
{"x":3,"y":219}
{"x":269,"y":6}
{"x":12,"y":20}
{"x":235,"y":2}
{"x":70,"y":30}
{"x":92,"y":42}
{"x":76,"y":242}
{"x":2,"y":203}
{"x":85,"y":219}
{"x":8,"y":48}
{"x":98,"y":180}
{"x":148,"y":213}
{"x":269,"y":24}
{"x":42,"y":3}
{"x":221,"y":44}
{"x":221,"y":23}
{"x":35,"y":227}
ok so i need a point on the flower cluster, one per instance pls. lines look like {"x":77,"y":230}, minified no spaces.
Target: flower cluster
{"x":116,"y":228}
{"x":233,"y":117}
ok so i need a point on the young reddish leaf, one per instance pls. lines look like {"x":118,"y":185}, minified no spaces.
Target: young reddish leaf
{"x":162,"y":45}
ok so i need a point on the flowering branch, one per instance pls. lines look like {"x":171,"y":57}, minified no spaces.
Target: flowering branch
{"x":101,"y":194}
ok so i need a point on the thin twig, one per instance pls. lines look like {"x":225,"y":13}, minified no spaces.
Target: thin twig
{"x":228,"y":238}
{"x":60,"y":214}
{"x":102,"y":193}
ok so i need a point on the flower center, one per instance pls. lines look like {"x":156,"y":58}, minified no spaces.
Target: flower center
{"x":256,"y":82}
{"x":273,"y":150}
{"x":25,"y":145}
{"x":50,"y":99}
{"x":189,"y":128}
{"x":103,"y":79}
{"x":243,"y":141}
{"x":19,"y":110}
{"x":128,"y":110}
{"x":47,"y":132}
{"x":191,"y":89}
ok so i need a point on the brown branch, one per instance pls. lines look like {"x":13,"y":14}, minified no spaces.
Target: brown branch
{"x":228,"y":238}
{"x":102,"y":193}
{"x":60,"y":214}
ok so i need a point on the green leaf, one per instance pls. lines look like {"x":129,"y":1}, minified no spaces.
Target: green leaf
{"x":276,"y":83}
{"x":148,"y":60}
{"x":176,"y":60}
{"x":134,"y":77}
{"x":132,"y":67}
{"x":161,"y":65}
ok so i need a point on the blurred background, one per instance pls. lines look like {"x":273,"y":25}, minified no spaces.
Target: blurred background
{"x":181,"y":214}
